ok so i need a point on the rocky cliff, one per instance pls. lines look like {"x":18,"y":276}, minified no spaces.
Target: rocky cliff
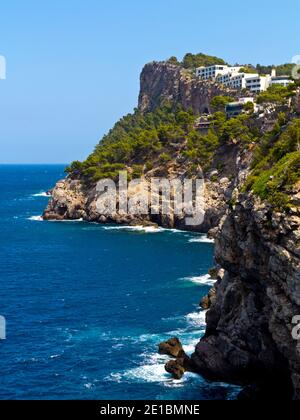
{"x":248,"y":338}
{"x":162,"y":81}
{"x":249,"y":326}
{"x":71,"y":200}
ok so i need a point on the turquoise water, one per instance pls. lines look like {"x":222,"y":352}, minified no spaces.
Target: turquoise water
{"x":86,"y":305}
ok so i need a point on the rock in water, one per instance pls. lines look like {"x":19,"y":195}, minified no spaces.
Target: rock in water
{"x":182,"y":364}
{"x":178,"y":367}
{"x":172,"y":347}
{"x":175,"y":368}
{"x":209,"y":299}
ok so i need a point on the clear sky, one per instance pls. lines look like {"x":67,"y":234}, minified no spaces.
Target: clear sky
{"x":73,"y":65}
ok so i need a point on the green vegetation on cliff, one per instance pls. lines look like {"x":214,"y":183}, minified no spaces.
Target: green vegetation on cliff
{"x":276,"y":94}
{"x":140,"y":142}
{"x":219,"y":102}
{"x":276,"y":166}
{"x":136,"y":141}
{"x":192,"y":61}
{"x":281,"y":70}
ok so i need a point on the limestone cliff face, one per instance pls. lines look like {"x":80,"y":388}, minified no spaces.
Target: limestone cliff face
{"x":71,"y":201}
{"x":249,"y":326}
{"x":164,"y":81}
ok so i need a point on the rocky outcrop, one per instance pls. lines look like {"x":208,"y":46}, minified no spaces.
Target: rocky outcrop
{"x":72,"y":200}
{"x":249,"y":326}
{"x":208,"y":300}
{"x":182,"y":362}
{"x":177,"y":368}
{"x":172,"y":347}
{"x":68,"y":201}
{"x":162,"y":81}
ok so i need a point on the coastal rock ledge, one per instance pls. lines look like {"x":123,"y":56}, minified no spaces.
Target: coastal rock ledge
{"x":249,"y":325}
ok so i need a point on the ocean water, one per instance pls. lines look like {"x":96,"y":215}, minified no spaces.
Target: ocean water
{"x":86,"y":305}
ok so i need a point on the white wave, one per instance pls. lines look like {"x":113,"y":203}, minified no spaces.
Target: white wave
{"x":89,"y":385}
{"x":152,"y":365}
{"x":176,"y":231}
{"x":205,"y":280}
{"x":36,"y":218}
{"x":146,"y":229}
{"x":197,"y":319}
{"x":55,"y":356}
{"x":202,"y":239}
{"x":152,"y":373}
{"x":148,"y":373}
{"x":66,"y":221}
{"x":42,"y":194}
{"x":190,"y":348}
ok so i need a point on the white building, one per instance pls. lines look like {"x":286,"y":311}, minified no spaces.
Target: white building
{"x":281,"y":80}
{"x":212,"y":72}
{"x":233,"y":78}
{"x":236,"y":80}
{"x":258,"y":83}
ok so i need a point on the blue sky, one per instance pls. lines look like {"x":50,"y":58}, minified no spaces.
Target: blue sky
{"x":73,"y":66}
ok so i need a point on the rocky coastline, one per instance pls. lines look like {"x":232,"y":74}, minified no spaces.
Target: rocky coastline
{"x":248,"y":340}
{"x":249,"y":324}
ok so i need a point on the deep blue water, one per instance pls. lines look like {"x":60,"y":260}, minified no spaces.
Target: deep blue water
{"x":86,"y":305}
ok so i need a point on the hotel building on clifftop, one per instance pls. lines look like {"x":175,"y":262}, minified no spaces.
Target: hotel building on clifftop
{"x":234,"y":77}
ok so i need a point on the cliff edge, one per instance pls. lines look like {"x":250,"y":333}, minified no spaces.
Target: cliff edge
{"x":249,"y":326}
{"x":163,"y":81}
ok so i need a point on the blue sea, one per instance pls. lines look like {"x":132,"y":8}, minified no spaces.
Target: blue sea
{"x":86,"y":305}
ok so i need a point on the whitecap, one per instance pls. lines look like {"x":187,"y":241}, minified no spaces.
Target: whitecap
{"x":55,"y":356}
{"x":36,"y":218}
{"x":205,"y":280}
{"x":114,"y":377}
{"x":197,"y":319}
{"x":202,"y":239}
{"x":146,"y":229}
{"x":66,"y":221}
{"x":89,"y":385}
{"x":42,"y":194}
{"x":190,"y":348}
{"x":147,"y":373}
{"x":176,"y":231}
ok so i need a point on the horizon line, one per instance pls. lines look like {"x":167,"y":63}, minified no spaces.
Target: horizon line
{"x":34,"y":163}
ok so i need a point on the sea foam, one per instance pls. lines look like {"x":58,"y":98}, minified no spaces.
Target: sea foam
{"x":205,"y":280}
{"x":197,"y":319}
{"x":42,"y":194}
{"x":202,"y":239}
{"x":36,"y":218}
{"x":145,"y":229}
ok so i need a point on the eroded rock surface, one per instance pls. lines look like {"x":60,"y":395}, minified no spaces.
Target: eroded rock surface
{"x":249,"y":326}
{"x":168,"y":82}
